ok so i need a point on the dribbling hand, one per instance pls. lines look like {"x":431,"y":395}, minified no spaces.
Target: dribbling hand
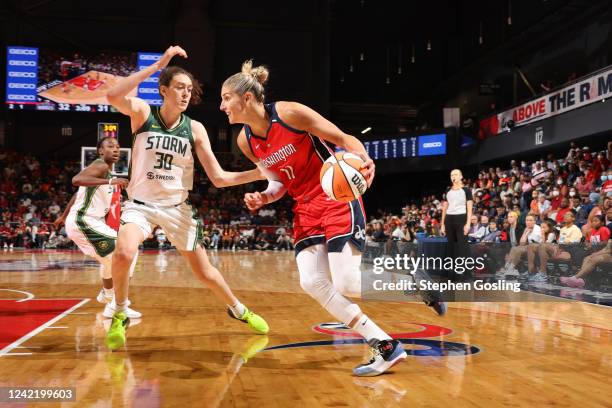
{"x":171,"y":52}
{"x":254,"y":201}
{"x":368,"y":168}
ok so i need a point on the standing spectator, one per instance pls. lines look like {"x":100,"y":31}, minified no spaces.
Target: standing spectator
{"x":456,"y":213}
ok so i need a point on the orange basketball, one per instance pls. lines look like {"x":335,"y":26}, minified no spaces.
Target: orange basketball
{"x":341,"y":178}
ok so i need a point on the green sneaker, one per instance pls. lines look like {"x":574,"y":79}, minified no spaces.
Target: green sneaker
{"x":115,"y":338}
{"x":255,"y":321}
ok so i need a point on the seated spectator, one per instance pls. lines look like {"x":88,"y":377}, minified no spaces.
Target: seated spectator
{"x":583,"y":186}
{"x":513,"y":231}
{"x":378,"y":235}
{"x":594,"y":208}
{"x":564,"y":207}
{"x":283,"y":242}
{"x":7,"y":236}
{"x":588,"y":265}
{"x":544,"y":206}
{"x":531,"y":235}
{"x":492,"y":234}
{"x":481,"y":230}
{"x":570,"y":234}
{"x":598,"y":234}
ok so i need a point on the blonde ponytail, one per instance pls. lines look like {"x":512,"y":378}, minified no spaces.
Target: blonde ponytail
{"x":249,"y":79}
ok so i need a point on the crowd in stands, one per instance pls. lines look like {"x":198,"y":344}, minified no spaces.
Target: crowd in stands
{"x":34,"y":192}
{"x":550,"y":203}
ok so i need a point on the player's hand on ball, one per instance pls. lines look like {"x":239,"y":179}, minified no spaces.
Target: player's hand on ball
{"x":171,"y":52}
{"x":368,"y":168}
{"x":254,"y":201}
{"x":123,"y":183}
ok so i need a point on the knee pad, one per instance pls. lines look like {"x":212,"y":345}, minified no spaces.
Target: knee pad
{"x":345,"y":269}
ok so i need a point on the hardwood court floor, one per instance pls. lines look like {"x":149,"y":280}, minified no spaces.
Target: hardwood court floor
{"x":185,"y":351}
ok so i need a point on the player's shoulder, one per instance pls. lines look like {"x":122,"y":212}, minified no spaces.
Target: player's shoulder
{"x":291,"y":110}
{"x":293,"y":115}
{"x":197,"y":129}
{"x":100,"y":166}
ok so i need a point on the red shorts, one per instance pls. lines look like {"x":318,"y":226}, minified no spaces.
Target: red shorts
{"x":322,"y":220}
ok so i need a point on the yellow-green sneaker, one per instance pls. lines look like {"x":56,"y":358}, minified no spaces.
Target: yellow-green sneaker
{"x":255,"y":321}
{"x":115,"y":338}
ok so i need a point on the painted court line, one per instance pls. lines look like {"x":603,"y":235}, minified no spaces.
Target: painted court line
{"x":37,"y":330}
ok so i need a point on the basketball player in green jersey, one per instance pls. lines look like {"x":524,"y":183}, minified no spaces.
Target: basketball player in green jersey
{"x":161,"y":175}
{"x":85,"y":221}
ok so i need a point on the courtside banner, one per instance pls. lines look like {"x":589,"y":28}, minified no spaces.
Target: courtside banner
{"x":591,"y":89}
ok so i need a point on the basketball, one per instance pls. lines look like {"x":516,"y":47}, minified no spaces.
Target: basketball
{"x":341,"y":178}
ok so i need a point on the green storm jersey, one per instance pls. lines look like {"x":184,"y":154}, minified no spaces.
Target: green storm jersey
{"x":94,"y":201}
{"x":161,"y":168}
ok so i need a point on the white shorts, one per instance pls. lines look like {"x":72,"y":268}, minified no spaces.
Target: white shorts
{"x":91,"y":234}
{"x":180,"y":223}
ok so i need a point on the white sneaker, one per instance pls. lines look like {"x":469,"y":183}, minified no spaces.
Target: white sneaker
{"x":103,"y":297}
{"x":512,"y":271}
{"x":385,"y":354}
{"x":110,"y":309}
{"x":501,"y":274}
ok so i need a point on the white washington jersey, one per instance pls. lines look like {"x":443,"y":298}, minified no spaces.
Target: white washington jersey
{"x":161,"y":168}
{"x":94,"y":201}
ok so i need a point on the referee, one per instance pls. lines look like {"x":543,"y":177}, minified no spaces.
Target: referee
{"x":456,"y":213}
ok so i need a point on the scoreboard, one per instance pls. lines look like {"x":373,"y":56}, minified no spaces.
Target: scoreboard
{"x":108,"y":130}
{"x":406,"y":147}
{"x":50,"y":80}
{"x":392,"y":148}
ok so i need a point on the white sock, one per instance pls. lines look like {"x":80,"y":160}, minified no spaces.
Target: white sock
{"x":238,"y":309}
{"x":370,"y":330}
{"x":109,"y":292}
{"x":121,"y":307}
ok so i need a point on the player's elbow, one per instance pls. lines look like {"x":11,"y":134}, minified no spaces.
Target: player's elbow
{"x":76,"y":181}
{"x":219,"y":182}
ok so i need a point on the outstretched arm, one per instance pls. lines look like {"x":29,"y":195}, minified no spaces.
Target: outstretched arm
{"x":214,"y":171}
{"x":136,"y":108}
{"x":96,"y":175}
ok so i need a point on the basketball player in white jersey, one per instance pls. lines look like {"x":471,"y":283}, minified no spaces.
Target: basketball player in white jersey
{"x":85,"y":218}
{"x":161,"y":176}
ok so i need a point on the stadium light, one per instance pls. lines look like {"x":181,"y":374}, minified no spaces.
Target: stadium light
{"x":366,"y":130}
